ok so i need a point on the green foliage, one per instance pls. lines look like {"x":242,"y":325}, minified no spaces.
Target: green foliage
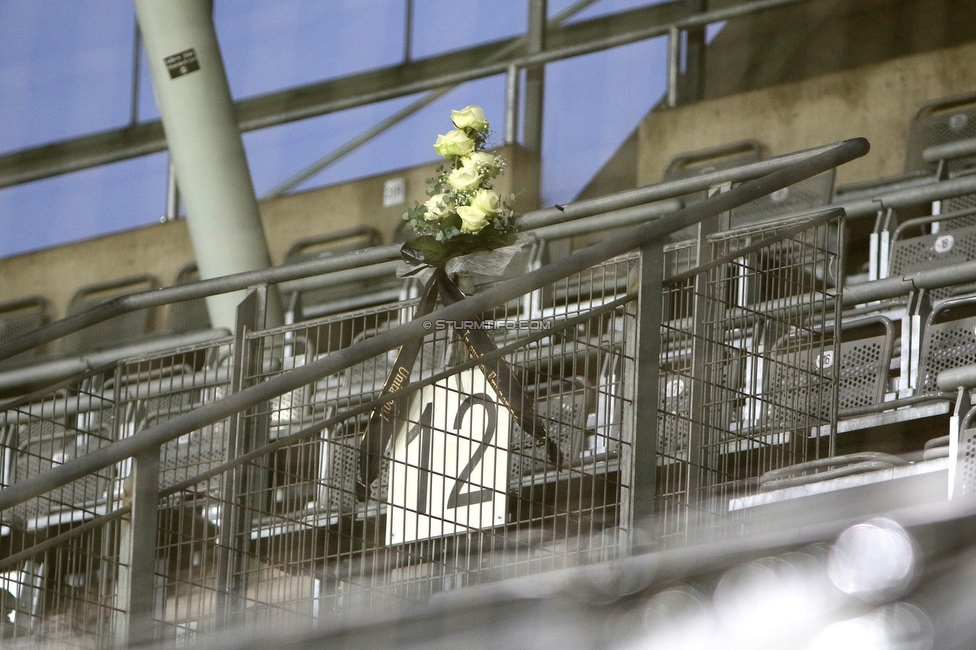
{"x":464,"y":214}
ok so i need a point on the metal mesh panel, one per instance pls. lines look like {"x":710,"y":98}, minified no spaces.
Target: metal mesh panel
{"x":73,"y":593}
{"x":745,"y":379}
{"x":41,"y":434}
{"x":468,"y":491}
{"x":63,"y":594}
{"x":464,"y":495}
{"x":169,"y":385}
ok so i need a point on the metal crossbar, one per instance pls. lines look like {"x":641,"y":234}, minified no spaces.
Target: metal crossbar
{"x":633,"y":202}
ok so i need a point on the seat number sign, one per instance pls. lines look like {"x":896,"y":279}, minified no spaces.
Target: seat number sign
{"x":449,"y":469}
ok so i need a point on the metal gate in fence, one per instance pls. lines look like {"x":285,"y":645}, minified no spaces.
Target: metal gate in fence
{"x":749,"y":367}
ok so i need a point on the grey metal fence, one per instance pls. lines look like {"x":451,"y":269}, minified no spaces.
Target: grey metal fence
{"x":464,"y":495}
{"x":227,"y":489}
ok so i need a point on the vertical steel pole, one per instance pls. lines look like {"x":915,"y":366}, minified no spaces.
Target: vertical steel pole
{"x":511,"y":104}
{"x":639,"y":502}
{"x":205,"y":143}
{"x":535,"y":77}
{"x":693,"y":79}
{"x":238,"y":485}
{"x":136,"y":72}
{"x":674,"y":58}
{"x":138,"y":575}
{"x":703,"y":307}
{"x":408,"y":31}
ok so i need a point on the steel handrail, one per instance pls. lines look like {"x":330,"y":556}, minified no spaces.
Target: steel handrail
{"x":614,"y":245}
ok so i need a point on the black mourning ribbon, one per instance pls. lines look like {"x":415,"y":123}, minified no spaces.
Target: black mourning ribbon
{"x":500,"y":376}
{"x":382,"y":421}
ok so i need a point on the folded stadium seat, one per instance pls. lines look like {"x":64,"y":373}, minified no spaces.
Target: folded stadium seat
{"x":866,"y":376}
{"x":704,"y":161}
{"x":948,"y":340}
{"x":951,"y":244}
{"x":942,"y":141}
{"x":18,"y":317}
{"x":116,"y":331}
{"x":879,"y":236}
{"x":319,"y":296}
{"x":189,"y":315}
{"x":166,"y":386}
{"x":562,"y":406}
{"x":40,"y":446}
{"x":962,"y":456}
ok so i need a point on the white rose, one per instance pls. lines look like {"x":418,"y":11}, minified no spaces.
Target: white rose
{"x":486,"y":201}
{"x":470,"y":117}
{"x":435,"y":207}
{"x":481,"y":158}
{"x":464,"y":178}
{"x":472,"y":219}
{"x":454,"y":143}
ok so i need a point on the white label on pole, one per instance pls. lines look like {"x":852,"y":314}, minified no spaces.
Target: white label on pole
{"x":394,"y":192}
{"x":449,"y":470}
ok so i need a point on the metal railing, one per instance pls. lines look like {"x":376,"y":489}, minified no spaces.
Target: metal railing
{"x":240,"y":459}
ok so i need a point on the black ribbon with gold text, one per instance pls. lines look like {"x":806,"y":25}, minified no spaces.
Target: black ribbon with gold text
{"x":382,"y":421}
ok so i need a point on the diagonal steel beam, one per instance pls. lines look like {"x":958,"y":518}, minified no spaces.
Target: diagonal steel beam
{"x":339,"y":94}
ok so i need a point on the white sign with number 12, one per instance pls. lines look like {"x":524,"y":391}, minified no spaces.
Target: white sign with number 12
{"x":449,"y":470}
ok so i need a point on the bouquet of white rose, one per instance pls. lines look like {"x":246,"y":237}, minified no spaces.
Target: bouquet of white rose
{"x":464,"y":214}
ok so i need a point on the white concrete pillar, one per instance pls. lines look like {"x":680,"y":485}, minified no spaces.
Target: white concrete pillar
{"x":205,"y":144}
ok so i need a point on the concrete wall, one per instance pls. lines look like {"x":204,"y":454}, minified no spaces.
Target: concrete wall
{"x":163,"y":249}
{"x":875,"y":101}
{"x":807,"y":39}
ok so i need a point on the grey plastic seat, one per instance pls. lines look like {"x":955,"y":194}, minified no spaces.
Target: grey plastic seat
{"x":942,"y":122}
{"x":952,"y":244}
{"x":189,"y":315}
{"x":316,"y":299}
